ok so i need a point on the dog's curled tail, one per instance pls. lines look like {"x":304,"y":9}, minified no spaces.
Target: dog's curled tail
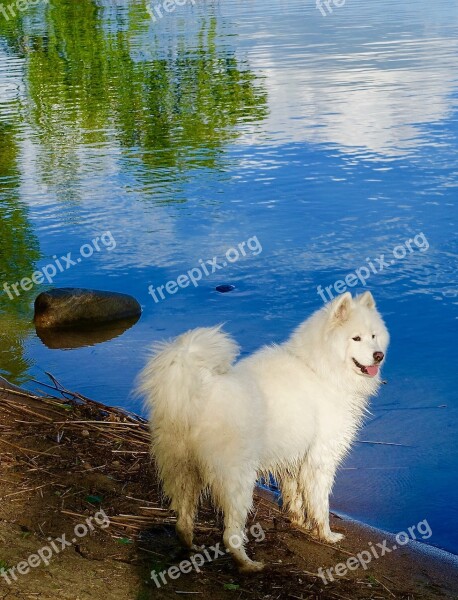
{"x":173,"y":376}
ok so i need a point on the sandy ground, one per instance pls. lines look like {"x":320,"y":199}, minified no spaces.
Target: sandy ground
{"x":62,"y":462}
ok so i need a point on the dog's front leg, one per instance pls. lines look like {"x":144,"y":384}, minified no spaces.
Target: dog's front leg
{"x":316,"y":479}
{"x":293,"y":500}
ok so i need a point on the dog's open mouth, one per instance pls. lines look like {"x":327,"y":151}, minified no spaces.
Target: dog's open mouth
{"x":370,"y":370}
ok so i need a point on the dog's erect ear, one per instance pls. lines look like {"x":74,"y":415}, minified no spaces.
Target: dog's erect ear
{"x":341,"y":308}
{"x":367,"y":300}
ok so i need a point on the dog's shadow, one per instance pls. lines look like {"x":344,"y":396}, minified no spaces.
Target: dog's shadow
{"x":162,"y":541}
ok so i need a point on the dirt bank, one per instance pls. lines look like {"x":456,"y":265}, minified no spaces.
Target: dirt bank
{"x":67,"y":463}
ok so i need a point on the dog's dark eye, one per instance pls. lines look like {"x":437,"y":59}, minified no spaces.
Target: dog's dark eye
{"x":373,"y":336}
{"x":357,"y":339}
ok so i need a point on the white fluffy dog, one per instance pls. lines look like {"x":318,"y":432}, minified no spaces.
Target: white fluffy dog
{"x":292,"y":410}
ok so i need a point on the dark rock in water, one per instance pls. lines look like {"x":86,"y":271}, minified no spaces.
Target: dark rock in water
{"x":225,"y":288}
{"x":70,"y":307}
{"x":84,"y":334}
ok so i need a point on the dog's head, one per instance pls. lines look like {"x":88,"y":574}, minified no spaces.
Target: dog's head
{"x":357,"y":334}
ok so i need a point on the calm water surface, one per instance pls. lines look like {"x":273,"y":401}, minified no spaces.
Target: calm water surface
{"x":331,"y":139}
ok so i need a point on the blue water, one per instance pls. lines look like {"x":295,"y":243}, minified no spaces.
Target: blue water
{"x":330,"y":140}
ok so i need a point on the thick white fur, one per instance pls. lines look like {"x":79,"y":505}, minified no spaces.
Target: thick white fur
{"x":292,"y":410}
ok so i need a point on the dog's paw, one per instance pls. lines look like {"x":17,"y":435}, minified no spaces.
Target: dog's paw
{"x":332,"y":537}
{"x":251,"y":567}
{"x":300,"y":524}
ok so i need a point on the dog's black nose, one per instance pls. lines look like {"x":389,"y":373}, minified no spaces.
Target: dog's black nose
{"x":378,"y":356}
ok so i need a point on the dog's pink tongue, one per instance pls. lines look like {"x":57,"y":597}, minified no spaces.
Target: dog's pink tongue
{"x":372,"y":370}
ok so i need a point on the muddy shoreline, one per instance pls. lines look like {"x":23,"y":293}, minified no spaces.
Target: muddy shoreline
{"x":65,"y":459}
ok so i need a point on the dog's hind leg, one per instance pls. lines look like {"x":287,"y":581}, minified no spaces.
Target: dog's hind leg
{"x":186,"y":508}
{"x":183,"y":486}
{"x":235,"y":497}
